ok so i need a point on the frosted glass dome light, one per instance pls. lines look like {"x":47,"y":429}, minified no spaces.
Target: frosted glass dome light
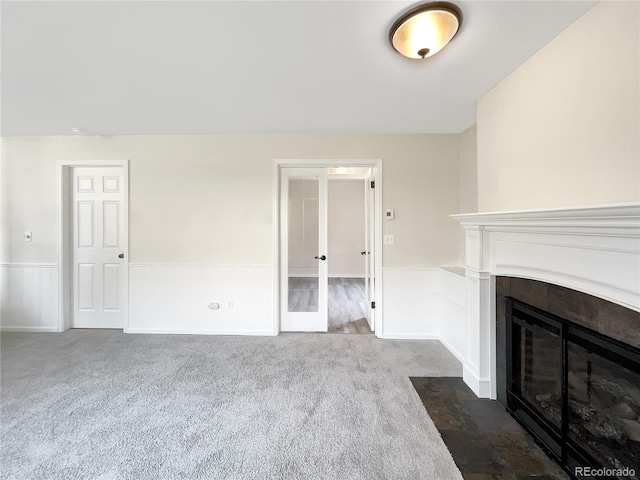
{"x":426,"y":29}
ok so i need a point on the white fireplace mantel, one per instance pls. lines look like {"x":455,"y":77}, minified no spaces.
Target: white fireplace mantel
{"x":595,"y":250}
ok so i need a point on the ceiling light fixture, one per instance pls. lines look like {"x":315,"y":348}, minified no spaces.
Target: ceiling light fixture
{"x":425,"y":30}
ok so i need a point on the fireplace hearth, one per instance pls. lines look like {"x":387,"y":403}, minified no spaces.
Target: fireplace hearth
{"x":576,"y":390}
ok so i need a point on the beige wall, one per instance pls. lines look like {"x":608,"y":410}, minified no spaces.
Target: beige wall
{"x":209,"y":199}
{"x":468,"y":175}
{"x":563,"y":129}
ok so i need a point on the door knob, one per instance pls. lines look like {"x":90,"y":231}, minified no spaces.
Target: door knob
{"x":323,"y":257}
{"x":121,"y":255}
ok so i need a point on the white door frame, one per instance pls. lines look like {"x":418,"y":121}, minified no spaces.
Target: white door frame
{"x":369,"y":275}
{"x":65,"y":246}
{"x":283,"y":163}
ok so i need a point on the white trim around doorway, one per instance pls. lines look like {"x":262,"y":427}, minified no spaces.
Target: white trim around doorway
{"x":65,"y":293}
{"x":278,"y":164}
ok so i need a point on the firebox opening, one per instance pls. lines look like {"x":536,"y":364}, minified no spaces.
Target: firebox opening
{"x":576,"y":391}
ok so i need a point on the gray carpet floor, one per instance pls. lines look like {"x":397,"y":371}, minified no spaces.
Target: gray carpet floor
{"x":105,"y":405}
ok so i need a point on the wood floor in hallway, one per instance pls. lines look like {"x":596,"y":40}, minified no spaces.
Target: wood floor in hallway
{"x":346,"y":307}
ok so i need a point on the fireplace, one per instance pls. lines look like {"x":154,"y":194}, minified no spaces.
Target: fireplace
{"x":573,"y":275}
{"x":574,"y":389}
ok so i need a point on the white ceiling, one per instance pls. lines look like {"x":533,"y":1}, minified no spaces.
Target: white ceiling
{"x":254,"y":67}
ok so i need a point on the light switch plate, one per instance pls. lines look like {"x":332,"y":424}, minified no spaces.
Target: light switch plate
{"x":389,"y":239}
{"x":390,"y":214}
{"x":27,"y":236}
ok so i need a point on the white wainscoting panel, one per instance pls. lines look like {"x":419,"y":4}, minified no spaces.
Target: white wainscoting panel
{"x":451,"y":308}
{"x":29,"y":297}
{"x":408,"y":303}
{"x":174,"y":299}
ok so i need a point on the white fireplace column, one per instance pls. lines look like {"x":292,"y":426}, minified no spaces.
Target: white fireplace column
{"x":478,"y":370}
{"x":595,"y":250}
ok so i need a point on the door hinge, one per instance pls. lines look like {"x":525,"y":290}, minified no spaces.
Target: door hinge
{"x":373,"y":184}
{"x":373,"y":305}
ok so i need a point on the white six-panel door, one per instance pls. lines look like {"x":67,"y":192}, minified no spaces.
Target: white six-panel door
{"x":99,"y":247}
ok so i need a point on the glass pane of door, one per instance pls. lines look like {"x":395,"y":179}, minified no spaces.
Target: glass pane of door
{"x":303,"y":215}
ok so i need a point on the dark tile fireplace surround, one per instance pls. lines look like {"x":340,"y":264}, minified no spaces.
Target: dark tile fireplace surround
{"x":568,"y":369}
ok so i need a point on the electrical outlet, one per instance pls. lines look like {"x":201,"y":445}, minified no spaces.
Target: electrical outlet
{"x":389,"y":239}
{"x":230,"y":304}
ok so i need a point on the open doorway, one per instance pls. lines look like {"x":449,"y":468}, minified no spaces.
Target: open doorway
{"x":328,"y":230}
{"x":347,"y":246}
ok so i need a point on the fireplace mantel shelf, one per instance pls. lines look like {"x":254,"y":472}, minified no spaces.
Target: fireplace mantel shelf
{"x":620,"y":215}
{"x":595,"y":250}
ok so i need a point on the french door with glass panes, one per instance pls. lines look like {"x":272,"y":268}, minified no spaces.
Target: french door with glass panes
{"x":303,"y":250}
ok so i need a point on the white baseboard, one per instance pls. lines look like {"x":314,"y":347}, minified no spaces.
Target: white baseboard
{"x":168,"y":331}
{"x":409,"y":336}
{"x":480,"y":386}
{"x":409,"y":269}
{"x":9,"y":328}
{"x":196,"y":265}
{"x":453,"y":351}
{"x":331,"y":275}
{"x":29,"y":265}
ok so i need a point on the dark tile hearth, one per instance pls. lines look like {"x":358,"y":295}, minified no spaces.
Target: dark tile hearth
{"x":485,"y":441}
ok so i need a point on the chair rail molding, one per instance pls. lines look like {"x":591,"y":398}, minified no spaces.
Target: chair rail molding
{"x":594,"y":249}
